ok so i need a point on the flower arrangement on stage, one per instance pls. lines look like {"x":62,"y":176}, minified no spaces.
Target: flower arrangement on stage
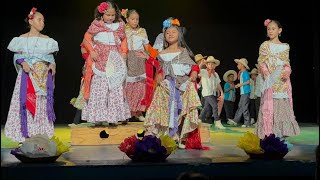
{"x":148,"y":148}
{"x":40,"y":149}
{"x":271,"y":147}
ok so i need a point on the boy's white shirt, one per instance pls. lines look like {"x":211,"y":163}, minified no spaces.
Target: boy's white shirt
{"x":209,"y":85}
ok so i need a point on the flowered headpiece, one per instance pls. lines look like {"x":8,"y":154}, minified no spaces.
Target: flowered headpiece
{"x":266,"y":22}
{"x":32,"y":12}
{"x":103,"y":7}
{"x":124,"y":12}
{"x":168,"y":23}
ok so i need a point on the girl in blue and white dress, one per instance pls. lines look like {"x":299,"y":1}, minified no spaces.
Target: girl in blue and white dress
{"x":31,"y":109}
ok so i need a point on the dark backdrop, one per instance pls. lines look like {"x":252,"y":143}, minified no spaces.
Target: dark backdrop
{"x":225,"y":29}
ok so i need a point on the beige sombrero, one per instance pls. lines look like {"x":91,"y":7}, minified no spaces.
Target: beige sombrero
{"x":226,"y":74}
{"x":254,"y":71}
{"x":242,"y":61}
{"x":211,"y":59}
{"x":199,"y":57}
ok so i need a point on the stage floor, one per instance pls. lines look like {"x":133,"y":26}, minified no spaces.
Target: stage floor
{"x":223,"y":159}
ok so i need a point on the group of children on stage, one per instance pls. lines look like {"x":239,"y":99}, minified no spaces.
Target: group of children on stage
{"x":124,"y":77}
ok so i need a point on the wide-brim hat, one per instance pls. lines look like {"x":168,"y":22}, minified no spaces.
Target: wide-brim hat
{"x":199,"y":57}
{"x":254,"y":71}
{"x":226,"y":74}
{"x":211,"y":59}
{"x":242,"y":61}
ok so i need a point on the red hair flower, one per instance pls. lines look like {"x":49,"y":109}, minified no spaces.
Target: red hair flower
{"x":103,"y":7}
{"x":32,"y":12}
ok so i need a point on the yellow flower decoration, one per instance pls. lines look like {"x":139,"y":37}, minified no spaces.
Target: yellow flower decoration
{"x":168,"y":143}
{"x":73,"y":100}
{"x":140,"y":133}
{"x":61,"y":148}
{"x":250,"y":143}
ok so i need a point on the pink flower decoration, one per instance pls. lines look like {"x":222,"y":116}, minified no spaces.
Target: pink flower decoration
{"x":124,"y":12}
{"x":102,"y":7}
{"x":266,"y":22}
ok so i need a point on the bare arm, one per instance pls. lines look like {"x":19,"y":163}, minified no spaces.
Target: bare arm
{"x":221,"y":97}
{"x":242,"y":84}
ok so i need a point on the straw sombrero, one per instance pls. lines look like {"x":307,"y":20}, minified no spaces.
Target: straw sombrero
{"x":199,"y":57}
{"x":226,"y":74}
{"x":254,"y":71}
{"x":242,"y":61}
{"x":211,"y":59}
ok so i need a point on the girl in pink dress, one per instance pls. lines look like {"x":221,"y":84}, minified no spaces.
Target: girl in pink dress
{"x":276,"y":114}
{"x":106,"y":102}
{"x":137,"y":40}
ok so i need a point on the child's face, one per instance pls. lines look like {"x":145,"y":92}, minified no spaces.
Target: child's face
{"x":133,"y":20}
{"x":230,"y":77}
{"x":240,"y":66}
{"x":253,"y":76}
{"x":37,"y":22}
{"x":211,"y":66}
{"x":273,"y":30}
{"x":172,"y":35}
{"x":109,"y":16}
{"x":200,"y":61}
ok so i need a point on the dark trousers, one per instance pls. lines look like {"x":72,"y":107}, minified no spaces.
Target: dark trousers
{"x":202,"y":99}
{"x":77,"y":117}
{"x":229,"y":109}
{"x":257,"y":103}
{"x":254,"y":108}
{"x":243,"y":110}
{"x":210,"y":104}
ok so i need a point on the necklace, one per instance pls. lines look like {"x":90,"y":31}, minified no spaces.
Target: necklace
{"x":35,"y":45}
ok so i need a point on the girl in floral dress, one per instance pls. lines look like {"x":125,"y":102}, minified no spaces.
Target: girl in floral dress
{"x":173,"y":108}
{"x":276,"y":114}
{"x":137,"y":40}
{"x":105,"y":68}
{"x":31,"y":108}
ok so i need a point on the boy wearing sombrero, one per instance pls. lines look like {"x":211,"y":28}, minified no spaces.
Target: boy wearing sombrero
{"x":200,"y":60}
{"x":229,"y":93}
{"x":211,"y":89}
{"x":253,"y":97}
{"x":244,"y":85}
